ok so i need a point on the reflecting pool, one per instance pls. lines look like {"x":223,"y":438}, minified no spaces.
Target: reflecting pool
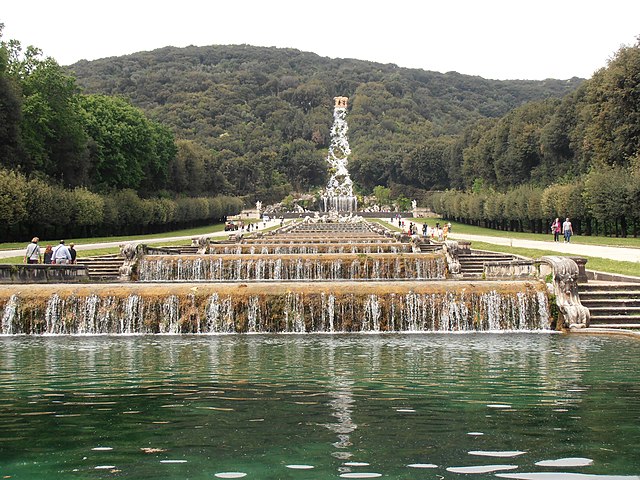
{"x":414,"y":406}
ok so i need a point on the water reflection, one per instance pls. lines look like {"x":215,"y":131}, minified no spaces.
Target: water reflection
{"x":266,"y":406}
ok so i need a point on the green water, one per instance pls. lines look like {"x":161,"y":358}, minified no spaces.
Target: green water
{"x":401,"y":406}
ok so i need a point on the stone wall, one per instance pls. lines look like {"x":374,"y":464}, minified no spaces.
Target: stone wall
{"x":42,"y":273}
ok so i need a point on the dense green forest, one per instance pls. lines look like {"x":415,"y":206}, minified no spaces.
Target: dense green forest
{"x":184,"y":125}
{"x":74,"y":164}
{"x":263,"y":115}
{"x":578,"y":156}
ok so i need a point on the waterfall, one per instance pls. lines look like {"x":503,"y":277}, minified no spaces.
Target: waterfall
{"x":9,"y":315}
{"x":288,"y":267}
{"x":338,"y":195}
{"x":295,"y":308}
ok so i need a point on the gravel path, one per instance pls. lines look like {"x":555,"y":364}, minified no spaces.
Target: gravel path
{"x":601,"y":251}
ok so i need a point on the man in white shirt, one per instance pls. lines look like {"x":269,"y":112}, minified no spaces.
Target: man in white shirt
{"x":32,"y":254}
{"x":61,"y":254}
{"x":567,"y":230}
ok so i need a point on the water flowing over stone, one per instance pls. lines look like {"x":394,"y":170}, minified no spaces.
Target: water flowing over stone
{"x":257,"y":289}
{"x":292,"y":267}
{"x":285,"y":307}
{"x":338,"y":195}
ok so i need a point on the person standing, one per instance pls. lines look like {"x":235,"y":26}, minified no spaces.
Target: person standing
{"x":32,"y":255}
{"x":72,"y":252}
{"x":48,"y":254}
{"x":567,"y":230}
{"x":556,"y":228}
{"x":61,"y":254}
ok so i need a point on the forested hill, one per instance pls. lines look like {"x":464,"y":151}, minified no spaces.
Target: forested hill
{"x":265,"y":113}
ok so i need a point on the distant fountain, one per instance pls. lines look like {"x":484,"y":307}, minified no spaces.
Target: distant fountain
{"x":338,"y":196}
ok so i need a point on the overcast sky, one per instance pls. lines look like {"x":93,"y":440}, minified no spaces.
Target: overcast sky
{"x":499,"y":39}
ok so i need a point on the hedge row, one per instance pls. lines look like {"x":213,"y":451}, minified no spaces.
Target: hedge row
{"x":598,"y":204}
{"x":34,"y":207}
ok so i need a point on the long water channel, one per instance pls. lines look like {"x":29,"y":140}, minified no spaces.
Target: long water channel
{"x":400,"y":406}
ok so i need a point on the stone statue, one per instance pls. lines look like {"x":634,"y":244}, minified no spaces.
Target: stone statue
{"x":259,"y":206}
{"x":565,"y":286}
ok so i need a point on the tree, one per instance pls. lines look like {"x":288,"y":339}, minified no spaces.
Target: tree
{"x":128,"y":147}
{"x":51,"y":128}
{"x":10,"y":113}
{"x":425,"y":166}
{"x":612,"y":133}
{"x":383,"y":195}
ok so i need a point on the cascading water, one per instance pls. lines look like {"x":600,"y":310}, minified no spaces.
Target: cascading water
{"x":287,"y":307}
{"x":294,"y":292}
{"x":292,"y":267}
{"x":338,"y":196}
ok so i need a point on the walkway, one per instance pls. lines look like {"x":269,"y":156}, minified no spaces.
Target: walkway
{"x":94,"y":246}
{"x":575,"y":249}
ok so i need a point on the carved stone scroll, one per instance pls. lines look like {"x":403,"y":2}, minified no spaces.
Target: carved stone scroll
{"x":132,"y":252}
{"x":565,"y":286}
{"x":451,"y":251}
{"x":202,"y":243}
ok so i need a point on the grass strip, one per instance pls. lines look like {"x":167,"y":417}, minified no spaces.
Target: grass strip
{"x":593,"y":263}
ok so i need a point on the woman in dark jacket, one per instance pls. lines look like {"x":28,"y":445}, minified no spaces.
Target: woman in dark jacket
{"x":48,"y":253}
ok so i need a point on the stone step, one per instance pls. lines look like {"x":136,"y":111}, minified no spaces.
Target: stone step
{"x":596,"y":294}
{"x":626,"y":326}
{"x":609,"y":287}
{"x":615,"y":310}
{"x":604,"y":317}
{"x":594,"y":303}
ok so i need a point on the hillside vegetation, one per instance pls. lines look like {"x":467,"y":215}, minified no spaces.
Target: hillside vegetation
{"x":178,"y":132}
{"x":264,"y":114}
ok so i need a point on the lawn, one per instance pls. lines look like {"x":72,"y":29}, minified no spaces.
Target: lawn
{"x":593,"y":263}
{"x":629,"y":242}
{"x":216,"y":227}
{"x":137,"y":238}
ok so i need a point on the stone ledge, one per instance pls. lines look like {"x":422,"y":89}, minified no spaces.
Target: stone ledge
{"x":39,"y":273}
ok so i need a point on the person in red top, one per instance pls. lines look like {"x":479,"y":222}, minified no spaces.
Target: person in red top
{"x":556,"y":229}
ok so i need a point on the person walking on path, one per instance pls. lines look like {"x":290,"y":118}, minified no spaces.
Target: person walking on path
{"x":32,"y":255}
{"x":567,"y":230}
{"x":61,"y":254}
{"x":556,"y":228}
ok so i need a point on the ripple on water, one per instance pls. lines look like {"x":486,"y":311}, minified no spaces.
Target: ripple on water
{"x":566,"y":462}
{"x":422,"y":465}
{"x":360,"y":475}
{"x":355,"y":464}
{"x":564,"y":476}
{"x":481,"y":469}
{"x":300,"y":467}
{"x":501,"y":454}
{"x":230,"y":475}
{"x":102,"y":449}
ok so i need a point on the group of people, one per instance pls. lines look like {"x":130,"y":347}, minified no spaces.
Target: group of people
{"x":565,"y":228}
{"x":61,"y":254}
{"x":438,"y":232}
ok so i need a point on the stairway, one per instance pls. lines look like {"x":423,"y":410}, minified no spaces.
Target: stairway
{"x":103,"y":267}
{"x":426,"y":247}
{"x":472,"y":264}
{"x":612,"y":304}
